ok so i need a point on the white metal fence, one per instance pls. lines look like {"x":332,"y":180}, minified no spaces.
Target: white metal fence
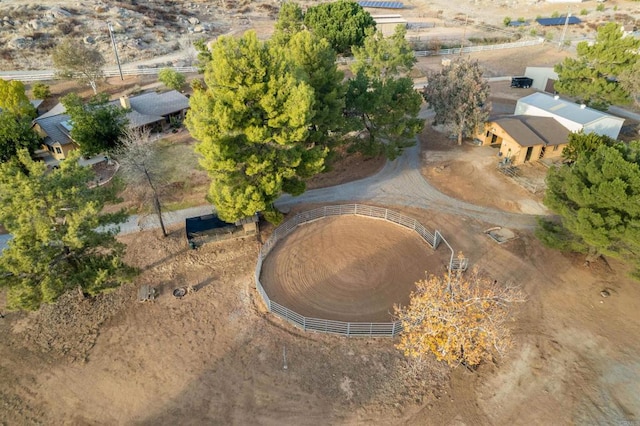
{"x":47,"y":75}
{"x":389,"y":329}
{"x":480,"y":48}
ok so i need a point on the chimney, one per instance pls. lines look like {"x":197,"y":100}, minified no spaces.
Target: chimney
{"x":582,"y":106}
{"x":125,"y":102}
{"x":556,"y":97}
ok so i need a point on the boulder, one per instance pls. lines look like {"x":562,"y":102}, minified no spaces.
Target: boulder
{"x":35,"y":24}
{"x":137,"y":44}
{"x":57,"y":13}
{"x":118,"y":27}
{"x":19,"y":43}
{"x":89,"y":40}
{"x":198,"y":29}
{"x":194,"y":21}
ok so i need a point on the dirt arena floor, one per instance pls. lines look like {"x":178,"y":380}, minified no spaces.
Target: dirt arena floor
{"x":348,"y":268}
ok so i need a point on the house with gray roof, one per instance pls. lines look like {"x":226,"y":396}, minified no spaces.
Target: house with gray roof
{"x":154,"y":110}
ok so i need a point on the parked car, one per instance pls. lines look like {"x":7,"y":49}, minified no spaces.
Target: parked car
{"x":521,"y":82}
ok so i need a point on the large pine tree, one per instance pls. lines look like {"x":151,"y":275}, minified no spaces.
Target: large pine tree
{"x":598,"y":200}
{"x":253,"y":122}
{"x":61,"y":240}
{"x":380,"y":97}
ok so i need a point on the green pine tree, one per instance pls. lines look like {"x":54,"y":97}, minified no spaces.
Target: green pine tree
{"x":317,"y":60}
{"x":380,"y":98}
{"x":598,"y":201}
{"x":343,"y":23}
{"x":97,"y":125}
{"x":61,"y":240}
{"x":592,"y":77}
{"x":13,"y":99}
{"x":252,"y":122}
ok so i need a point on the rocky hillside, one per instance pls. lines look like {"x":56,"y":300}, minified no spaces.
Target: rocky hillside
{"x":143,"y":28}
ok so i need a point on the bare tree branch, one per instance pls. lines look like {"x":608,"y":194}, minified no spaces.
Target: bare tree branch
{"x":140,"y":165}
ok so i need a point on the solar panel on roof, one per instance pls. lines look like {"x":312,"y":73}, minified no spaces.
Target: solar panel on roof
{"x":558,"y":21}
{"x":382,"y":4}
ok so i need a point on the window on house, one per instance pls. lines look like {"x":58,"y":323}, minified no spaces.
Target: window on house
{"x":555,"y":148}
{"x":58,"y":150}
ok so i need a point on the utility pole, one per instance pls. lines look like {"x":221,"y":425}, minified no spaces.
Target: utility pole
{"x":564,"y":31}
{"x":115,"y":48}
{"x":464,"y":33}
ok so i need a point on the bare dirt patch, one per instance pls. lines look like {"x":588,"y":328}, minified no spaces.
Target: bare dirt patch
{"x":470,"y":173}
{"x":346,"y":168}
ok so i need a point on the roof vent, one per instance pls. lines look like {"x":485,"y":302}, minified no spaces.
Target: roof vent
{"x":556,"y":97}
{"x":582,"y":106}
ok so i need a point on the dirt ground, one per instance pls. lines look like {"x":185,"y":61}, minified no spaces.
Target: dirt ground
{"x":333,"y":270}
{"x":216,"y":357}
{"x":471,"y":173}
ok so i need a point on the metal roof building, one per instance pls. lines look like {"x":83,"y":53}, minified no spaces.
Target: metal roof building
{"x":381,"y":4}
{"x":572,"y":116}
{"x":562,"y":20}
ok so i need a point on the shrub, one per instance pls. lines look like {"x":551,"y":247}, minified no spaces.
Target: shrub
{"x":506,"y":21}
{"x":555,"y":14}
{"x":521,"y":19}
{"x":172,"y":78}
{"x":584,"y":12}
{"x":533,"y":32}
{"x":600,"y":7}
{"x":40,"y":91}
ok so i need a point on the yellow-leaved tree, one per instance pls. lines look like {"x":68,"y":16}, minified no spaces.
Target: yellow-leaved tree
{"x":460,"y":318}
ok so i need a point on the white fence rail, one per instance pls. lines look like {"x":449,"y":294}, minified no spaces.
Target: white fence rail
{"x":51,"y":75}
{"x":480,"y":48}
{"x":370,"y":329}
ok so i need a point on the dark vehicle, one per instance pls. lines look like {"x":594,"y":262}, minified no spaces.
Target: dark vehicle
{"x":521,"y":82}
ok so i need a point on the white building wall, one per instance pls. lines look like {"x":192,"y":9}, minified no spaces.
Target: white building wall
{"x":540,"y":76}
{"x":605,"y":126}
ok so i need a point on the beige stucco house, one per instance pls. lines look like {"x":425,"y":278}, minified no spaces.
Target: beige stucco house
{"x":522,"y":138}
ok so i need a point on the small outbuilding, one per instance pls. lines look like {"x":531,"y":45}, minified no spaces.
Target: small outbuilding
{"x":387,"y":24}
{"x":544,"y":78}
{"x":208,"y":228}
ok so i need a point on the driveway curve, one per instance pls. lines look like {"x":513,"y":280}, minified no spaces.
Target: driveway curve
{"x":400,"y":183}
